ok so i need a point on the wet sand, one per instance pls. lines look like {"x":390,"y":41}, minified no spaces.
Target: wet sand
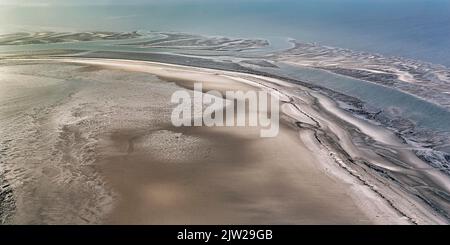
{"x":218,"y":175}
{"x":155,"y":173}
{"x":221,"y":176}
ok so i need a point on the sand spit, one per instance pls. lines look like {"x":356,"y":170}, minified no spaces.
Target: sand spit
{"x":154,"y":173}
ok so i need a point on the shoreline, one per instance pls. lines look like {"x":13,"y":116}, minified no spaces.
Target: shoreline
{"x":314,"y":129}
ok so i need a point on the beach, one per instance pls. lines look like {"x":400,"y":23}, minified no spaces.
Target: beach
{"x":112,"y":156}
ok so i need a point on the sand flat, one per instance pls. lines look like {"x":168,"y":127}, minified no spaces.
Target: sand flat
{"x":218,"y":174}
{"x":153,"y":173}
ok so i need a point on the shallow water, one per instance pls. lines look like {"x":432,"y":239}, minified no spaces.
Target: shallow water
{"x":415,"y":29}
{"x":424,"y":113}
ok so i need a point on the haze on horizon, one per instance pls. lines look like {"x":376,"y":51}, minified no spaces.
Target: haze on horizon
{"x":96,"y":2}
{"x":415,"y":29}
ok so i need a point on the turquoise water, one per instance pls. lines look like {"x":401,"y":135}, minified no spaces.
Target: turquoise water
{"x":418,"y":29}
{"x":423,"y":113}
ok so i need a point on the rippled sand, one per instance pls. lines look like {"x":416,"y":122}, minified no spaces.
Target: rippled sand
{"x":90,"y":141}
{"x":82,"y":144}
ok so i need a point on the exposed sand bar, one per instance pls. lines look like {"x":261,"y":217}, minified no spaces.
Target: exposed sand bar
{"x":160,"y":174}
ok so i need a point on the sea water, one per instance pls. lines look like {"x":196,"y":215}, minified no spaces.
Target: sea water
{"x":417,"y":29}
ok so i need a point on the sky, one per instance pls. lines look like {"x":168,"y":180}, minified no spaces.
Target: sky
{"x":88,"y":2}
{"x":69,"y":2}
{"x":134,"y":2}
